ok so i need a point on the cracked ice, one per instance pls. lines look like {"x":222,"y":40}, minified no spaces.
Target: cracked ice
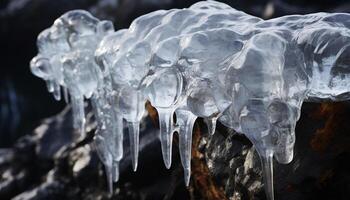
{"x":209,"y":61}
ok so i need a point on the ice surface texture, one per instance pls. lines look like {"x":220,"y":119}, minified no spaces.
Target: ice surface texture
{"x":208,"y":61}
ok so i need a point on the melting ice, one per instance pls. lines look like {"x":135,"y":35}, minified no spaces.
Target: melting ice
{"x":209,"y":61}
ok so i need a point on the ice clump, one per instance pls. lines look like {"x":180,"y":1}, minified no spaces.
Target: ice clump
{"x":208,"y":61}
{"x":66,"y":59}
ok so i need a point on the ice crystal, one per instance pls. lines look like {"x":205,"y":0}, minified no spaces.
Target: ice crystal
{"x":209,"y":61}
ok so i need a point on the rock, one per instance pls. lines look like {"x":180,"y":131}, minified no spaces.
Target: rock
{"x":224,"y":166}
{"x":51,"y":163}
{"x":317,"y":171}
{"x":54,"y":164}
{"x":53,"y":134}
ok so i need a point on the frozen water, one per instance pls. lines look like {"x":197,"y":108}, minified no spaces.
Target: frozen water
{"x":66,"y":59}
{"x":208,"y":61}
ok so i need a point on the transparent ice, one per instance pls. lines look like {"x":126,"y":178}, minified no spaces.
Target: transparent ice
{"x":209,"y":61}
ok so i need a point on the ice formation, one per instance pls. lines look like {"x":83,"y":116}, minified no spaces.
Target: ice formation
{"x":209,"y":61}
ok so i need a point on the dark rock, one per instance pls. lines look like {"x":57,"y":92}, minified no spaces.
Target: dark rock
{"x":54,"y":134}
{"x":52,"y":163}
{"x":317,"y":171}
{"x":223,"y":166}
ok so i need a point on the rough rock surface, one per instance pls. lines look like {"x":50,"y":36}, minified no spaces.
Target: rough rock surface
{"x":318,"y":171}
{"x":52,"y":163}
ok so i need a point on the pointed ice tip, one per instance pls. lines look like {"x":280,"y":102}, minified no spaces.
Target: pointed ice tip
{"x":134,"y":161}
{"x":166,"y":134}
{"x":82,"y":133}
{"x":115,"y":171}
{"x":167,"y":162}
{"x":110,"y":190}
{"x":166,"y":144}
{"x":57,"y":96}
{"x":110,"y":193}
{"x":211,"y":131}
{"x":267,"y":167}
{"x":187,"y":175}
{"x":211,"y":124}
{"x":109,"y":175}
{"x":134,"y":158}
{"x":134,"y":165}
{"x":166,"y":150}
{"x":66,"y":95}
{"x":134,"y":131}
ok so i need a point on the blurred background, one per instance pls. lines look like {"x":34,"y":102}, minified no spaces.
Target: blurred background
{"x":41,"y":159}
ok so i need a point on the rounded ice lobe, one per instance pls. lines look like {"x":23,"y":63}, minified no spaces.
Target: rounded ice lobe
{"x":71,"y":40}
{"x":165,"y":90}
{"x":209,"y":61}
{"x":130,"y":100}
{"x":164,"y":54}
{"x":200,"y":100}
{"x":40,"y":67}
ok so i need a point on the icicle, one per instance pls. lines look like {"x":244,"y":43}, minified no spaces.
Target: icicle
{"x":106,"y":158}
{"x":166,"y":134}
{"x":134,"y":129}
{"x":49,"y":85}
{"x":109,"y":174}
{"x":211,"y":124}
{"x":118,"y":137}
{"x":78,"y":114}
{"x":56,"y":91}
{"x":115,"y":171}
{"x":65,"y":95}
{"x":185,"y":122}
{"x":266,"y":157}
{"x":112,"y":138}
{"x":131,"y":105}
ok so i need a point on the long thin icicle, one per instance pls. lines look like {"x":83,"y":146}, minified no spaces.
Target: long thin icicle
{"x":109,"y":174}
{"x":107,"y":133}
{"x":106,"y":158}
{"x":78,"y":114}
{"x":115,"y":171}
{"x":166,"y":134}
{"x":65,"y":95}
{"x":134,"y":129}
{"x":49,"y":85}
{"x":211,"y":124}
{"x":56,"y":91}
{"x":115,"y":126}
{"x":131,"y":105}
{"x":185,"y":122}
{"x":267,"y":168}
{"x":118,"y":136}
